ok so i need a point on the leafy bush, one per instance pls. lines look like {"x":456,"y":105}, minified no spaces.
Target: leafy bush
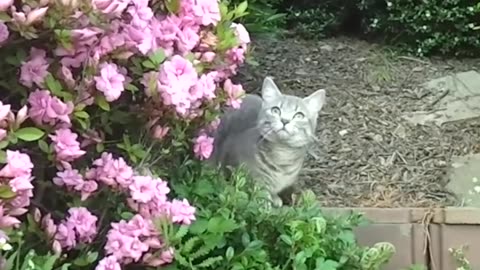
{"x":426,"y":27}
{"x":237,"y":229}
{"x":320,"y":18}
{"x":423,"y":27}
{"x":264,"y":16}
{"x":79,"y":83}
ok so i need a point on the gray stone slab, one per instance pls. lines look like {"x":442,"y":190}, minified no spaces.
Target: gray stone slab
{"x":464,"y":176}
{"x":462,"y":101}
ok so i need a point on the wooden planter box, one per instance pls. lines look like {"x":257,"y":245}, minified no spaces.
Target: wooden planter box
{"x":421,"y":235}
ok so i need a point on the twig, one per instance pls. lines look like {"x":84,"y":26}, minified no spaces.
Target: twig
{"x":444,"y":94}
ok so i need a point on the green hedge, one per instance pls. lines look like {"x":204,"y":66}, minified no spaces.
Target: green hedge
{"x":445,"y":27}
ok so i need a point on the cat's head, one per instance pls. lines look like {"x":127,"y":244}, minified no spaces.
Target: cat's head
{"x":289,"y":119}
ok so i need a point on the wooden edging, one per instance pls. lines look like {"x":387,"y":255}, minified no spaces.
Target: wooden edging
{"x":447,"y":215}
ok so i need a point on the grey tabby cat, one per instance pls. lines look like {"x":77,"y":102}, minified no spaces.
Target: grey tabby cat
{"x":269,"y":135}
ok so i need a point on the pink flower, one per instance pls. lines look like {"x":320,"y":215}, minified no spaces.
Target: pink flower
{"x":208,"y":57}
{"x":69,"y":178}
{"x":65,"y":74}
{"x":181,"y":212}
{"x":234,"y":92}
{"x":66,"y":145}
{"x":207,"y":12}
{"x":21,"y":183}
{"x":18,"y":164}
{"x":35,"y":70}
{"x":178,"y":71}
{"x":49,"y":226}
{"x":4,"y":111}
{"x":88,"y":188}
{"x":4,"y":33}
{"x":84,"y":223}
{"x":65,"y":235}
{"x":165,"y":257}
{"x":124,"y":246}
{"x":112,"y":172}
{"x":236,"y":55}
{"x":187,"y":40}
{"x":205,"y":88}
{"x":5,"y":4}
{"x":48,"y":109}
{"x":110,"y":81}
{"x":160,"y":132}
{"x":108,"y":263}
{"x":203,"y":146}
{"x":142,"y":188}
{"x":111,"y":7}
{"x":241,"y":33}
{"x":7,"y":221}
{"x":175,"y":79}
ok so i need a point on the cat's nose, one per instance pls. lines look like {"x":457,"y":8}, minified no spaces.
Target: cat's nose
{"x":285,"y":121}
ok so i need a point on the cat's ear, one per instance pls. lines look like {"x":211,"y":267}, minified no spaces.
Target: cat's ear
{"x":270,"y":91}
{"x":315,"y":101}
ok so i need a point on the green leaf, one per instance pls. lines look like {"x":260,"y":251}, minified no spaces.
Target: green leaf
{"x":3,"y":157}
{"x":82,"y":115}
{"x":132,"y":88}
{"x":53,"y":85}
{"x":43,"y":146}
{"x":100,"y":147}
{"x":29,"y":134}
{"x":286,"y":239}
{"x":6,"y":192}
{"x":322,"y":264}
{"x":182,"y":231}
{"x":158,"y":57}
{"x":149,"y":64}
{"x":173,"y":6}
{"x":50,"y":262}
{"x":126,"y":215}
{"x":102,"y":103}
{"x":199,"y":226}
{"x":221,"y":225}
{"x":241,"y":9}
{"x":4,"y":144}
{"x":230,"y":253}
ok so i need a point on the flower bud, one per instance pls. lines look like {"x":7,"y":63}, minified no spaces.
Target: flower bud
{"x":22,"y":115}
{"x":36,"y":15}
{"x":5,"y":4}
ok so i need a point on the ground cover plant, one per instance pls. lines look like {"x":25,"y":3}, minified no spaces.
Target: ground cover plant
{"x":105,"y":108}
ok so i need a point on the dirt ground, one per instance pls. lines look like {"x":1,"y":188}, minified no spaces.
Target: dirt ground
{"x":368,"y":155}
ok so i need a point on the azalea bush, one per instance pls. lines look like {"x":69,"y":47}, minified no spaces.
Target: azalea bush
{"x":92,"y":93}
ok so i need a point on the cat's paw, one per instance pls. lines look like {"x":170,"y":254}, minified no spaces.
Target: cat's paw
{"x":277,"y":201}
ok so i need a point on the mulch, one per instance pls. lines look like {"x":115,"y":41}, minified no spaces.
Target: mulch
{"x":368,"y":156}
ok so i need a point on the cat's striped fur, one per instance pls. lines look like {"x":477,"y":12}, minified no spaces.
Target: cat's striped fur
{"x":269,"y":135}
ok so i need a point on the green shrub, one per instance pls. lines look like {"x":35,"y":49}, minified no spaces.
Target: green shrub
{"x":446,"y":27}
{"x":236,"y":229}
{"x":425,"y":27}
{"x":319,"y":19}
{"x":263,"y":16}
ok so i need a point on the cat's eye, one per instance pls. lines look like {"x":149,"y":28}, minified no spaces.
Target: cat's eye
{"x":275,"y":110}
{"x":299,"y":115}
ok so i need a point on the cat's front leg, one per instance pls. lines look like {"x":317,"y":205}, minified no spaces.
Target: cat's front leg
{"x":276,"y":200}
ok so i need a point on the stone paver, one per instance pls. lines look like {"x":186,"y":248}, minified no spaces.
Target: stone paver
{"x":461,"y":102}
{"x":464,"y":174}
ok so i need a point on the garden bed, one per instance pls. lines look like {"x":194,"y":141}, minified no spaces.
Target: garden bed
{"x":369,"y":155}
